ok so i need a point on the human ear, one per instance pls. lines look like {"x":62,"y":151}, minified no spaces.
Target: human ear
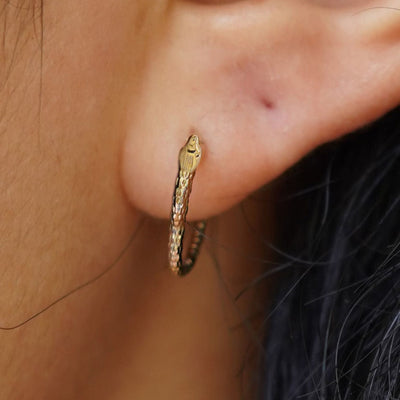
{"x":263,"y":83}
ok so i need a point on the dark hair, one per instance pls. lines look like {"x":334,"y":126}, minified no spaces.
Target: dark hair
{"x":334,"y":323}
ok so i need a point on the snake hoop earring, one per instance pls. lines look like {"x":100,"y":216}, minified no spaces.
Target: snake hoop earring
{"x":189,"y":159}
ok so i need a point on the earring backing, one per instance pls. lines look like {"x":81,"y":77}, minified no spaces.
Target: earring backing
{"x":189,"y":159}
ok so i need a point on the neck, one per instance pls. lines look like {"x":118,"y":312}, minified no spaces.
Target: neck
{"x":188,"y":337}
{"x":140,"y":332}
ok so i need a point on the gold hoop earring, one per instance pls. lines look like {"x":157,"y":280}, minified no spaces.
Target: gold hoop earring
{"x":189,"y":159}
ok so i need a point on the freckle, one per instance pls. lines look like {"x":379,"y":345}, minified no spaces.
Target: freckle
{"x":267,"y":103}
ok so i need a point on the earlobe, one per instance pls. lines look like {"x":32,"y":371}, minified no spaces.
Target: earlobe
{"x":260,"y":86}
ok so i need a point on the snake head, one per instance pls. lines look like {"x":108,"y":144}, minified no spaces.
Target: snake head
{"x":190,"y":154}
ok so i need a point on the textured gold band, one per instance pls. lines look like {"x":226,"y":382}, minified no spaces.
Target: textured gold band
{"x":189,"y":158}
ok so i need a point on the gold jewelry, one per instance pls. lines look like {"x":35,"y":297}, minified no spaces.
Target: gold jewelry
{"x":189,"y":159}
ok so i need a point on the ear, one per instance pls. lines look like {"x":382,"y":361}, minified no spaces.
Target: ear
{"x":263,"y":83}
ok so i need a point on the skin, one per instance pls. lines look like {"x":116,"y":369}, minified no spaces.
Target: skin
{"x":90,"y":129}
